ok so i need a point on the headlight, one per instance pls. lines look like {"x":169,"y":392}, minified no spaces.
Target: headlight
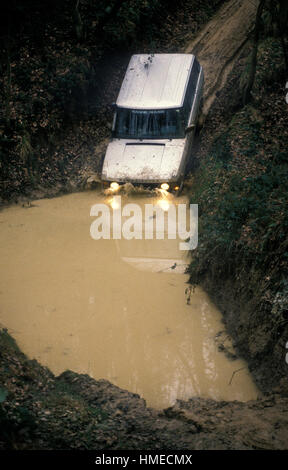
{"x":165,"y":186}
{"x":114,"y":186}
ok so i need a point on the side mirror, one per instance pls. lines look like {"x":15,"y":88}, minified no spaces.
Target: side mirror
{"x":190,"y":129}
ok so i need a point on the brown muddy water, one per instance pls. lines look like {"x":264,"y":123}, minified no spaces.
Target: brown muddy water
{"x":114,"y":309}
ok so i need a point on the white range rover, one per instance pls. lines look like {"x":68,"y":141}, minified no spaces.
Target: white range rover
{"x":154,"y":121}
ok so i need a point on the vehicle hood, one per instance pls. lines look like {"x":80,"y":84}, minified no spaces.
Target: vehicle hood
{"x":143,"y":162}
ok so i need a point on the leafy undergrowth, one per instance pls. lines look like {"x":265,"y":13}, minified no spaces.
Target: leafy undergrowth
{"x":57,"y":88}
{"x":241,"y":188}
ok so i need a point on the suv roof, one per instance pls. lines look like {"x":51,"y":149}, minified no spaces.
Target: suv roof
{"x":155,"y":81}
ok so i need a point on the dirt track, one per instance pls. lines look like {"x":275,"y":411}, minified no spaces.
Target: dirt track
{"x":220,"y":42}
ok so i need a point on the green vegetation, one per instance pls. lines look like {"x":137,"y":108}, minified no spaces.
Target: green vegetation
{"x":241,"y":188}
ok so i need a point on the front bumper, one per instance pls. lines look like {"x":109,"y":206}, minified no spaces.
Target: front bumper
{"x":173,"y":186}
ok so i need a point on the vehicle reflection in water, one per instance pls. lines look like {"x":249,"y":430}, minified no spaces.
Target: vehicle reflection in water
{"x":113,"y":203}
{"x":164,"y":204}
{"x":151,"y":252}
{"x":115,"y":309}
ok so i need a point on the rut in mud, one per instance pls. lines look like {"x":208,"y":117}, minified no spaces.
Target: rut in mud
{"x":220,"y":43}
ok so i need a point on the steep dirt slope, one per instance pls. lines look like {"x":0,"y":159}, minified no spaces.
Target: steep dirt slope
{"x":220,"y":42}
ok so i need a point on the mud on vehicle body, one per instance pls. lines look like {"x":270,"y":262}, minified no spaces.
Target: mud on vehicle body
{"x":154,"y":121}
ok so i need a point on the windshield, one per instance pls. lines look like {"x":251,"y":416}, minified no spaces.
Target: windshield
{"x":149,"y":124}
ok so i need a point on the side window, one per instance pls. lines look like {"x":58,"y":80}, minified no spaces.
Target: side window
{"x":190,"y":92}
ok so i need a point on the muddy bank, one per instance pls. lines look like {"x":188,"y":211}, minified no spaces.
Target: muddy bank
{"x":219,"y":44}
{"x":74,"y":411}
{"x":258,"y":338}
{"x":241,"y":262}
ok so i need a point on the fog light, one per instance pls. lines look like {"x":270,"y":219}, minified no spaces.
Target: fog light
{"x":176,"y":188}
{"x":165,"y":186}
{"x":114,"y":186}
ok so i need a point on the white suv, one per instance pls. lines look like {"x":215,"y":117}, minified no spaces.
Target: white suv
{"x":154,"y":121}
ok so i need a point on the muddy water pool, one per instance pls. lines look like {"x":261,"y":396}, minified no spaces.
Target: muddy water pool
{"x":114,"y":309}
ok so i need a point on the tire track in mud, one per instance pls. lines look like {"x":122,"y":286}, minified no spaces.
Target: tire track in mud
{"x":220,"y":43}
